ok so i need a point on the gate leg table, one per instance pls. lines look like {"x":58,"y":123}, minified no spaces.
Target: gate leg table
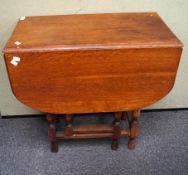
{"x":90,"y":63}
{"x":113,"y":131}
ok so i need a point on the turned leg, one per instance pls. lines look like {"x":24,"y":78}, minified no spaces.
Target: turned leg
{"x":52,"y":119}
{"x":117,"y":130}
{"x":133,"y":129}
{"x":68,"y":130}
{"x":124,"y":116}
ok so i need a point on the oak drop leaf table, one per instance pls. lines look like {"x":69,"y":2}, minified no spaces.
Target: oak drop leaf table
{"x":90,"y":63}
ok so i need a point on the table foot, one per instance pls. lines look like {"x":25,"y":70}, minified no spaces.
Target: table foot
{"x":114,"y":145}
{"x":131,"y":144}
{"x":116,"y":130}
{"x":133,"y":128}
{"x":54,"y":147}
{"x":52,"y":120}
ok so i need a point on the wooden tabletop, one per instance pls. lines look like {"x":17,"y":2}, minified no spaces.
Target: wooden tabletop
{"x":92,"y":62}
{"x":91,"y":31}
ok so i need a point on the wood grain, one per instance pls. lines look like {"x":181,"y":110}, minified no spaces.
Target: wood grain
{"x":92,"y":63}
{"x":91,"y":31}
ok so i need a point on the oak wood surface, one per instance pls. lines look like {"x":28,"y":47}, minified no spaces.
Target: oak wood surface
{"x":92,"y":63}
{"x":91,"y":31}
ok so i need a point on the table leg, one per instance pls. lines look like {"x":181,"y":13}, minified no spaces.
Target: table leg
{"x":52,"y":119}
{"x":133,"y":129}
{"x":124,"y":115}
{"x":69,"y":126}
{"x":117,"y":130}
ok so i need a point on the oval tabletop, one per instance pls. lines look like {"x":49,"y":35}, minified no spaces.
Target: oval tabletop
{"x":92,"y":63}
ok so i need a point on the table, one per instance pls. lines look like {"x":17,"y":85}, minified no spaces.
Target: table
{"x":89,"y":63}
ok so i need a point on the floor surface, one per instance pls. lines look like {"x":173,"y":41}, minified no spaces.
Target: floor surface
{"x":162,"y":148}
